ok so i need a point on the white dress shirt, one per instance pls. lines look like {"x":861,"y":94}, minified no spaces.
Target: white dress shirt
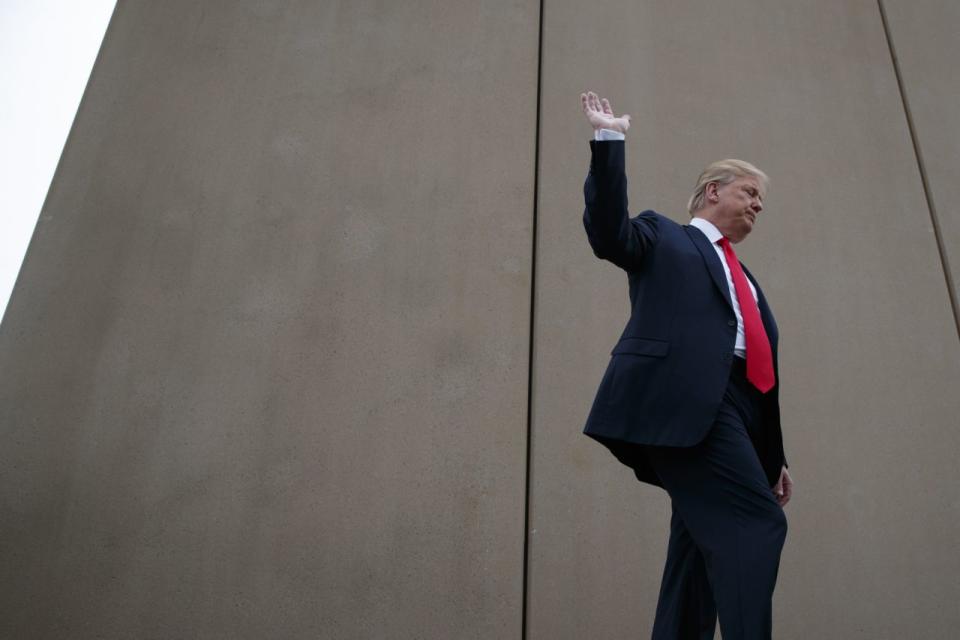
{"x":713,"y":235}
{"x":607,"y":134}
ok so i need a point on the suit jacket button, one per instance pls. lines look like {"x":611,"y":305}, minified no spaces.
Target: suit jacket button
{"x":732,"y":323}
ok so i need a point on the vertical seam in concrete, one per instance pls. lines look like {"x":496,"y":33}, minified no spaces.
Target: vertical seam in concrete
{"x":530,"y":333}
{"x":931,"y":208}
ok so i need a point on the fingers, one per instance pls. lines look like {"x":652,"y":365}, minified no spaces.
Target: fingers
{"x":782,"y":497}
{"x":590,"y":101}
{"x":781,"y":491}
{"x":600,"y":113}
{"x":585,"y":104}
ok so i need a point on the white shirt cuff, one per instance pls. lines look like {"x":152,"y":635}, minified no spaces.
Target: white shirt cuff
{"x":608,"y":134}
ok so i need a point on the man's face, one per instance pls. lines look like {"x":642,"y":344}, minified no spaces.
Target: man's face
{"x":738,"y":205}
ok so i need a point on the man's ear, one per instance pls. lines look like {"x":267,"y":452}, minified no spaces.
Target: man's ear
{"x":710,"y":192}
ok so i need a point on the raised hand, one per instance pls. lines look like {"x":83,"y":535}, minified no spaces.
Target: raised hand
{"x":600,"y":114}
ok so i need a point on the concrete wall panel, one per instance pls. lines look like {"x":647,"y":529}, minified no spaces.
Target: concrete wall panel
{"x":264,"y":372}
{"x":846,"y":255}
{"x":264,"y":369}
{"x":924,"y":37}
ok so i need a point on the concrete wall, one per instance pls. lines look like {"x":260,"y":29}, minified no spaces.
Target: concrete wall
{"x":846,"y":253}
{"x":265,"y":369}
{"x":923,"y":37}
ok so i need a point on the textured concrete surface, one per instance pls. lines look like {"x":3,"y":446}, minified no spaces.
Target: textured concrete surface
{"x":846,"y":254}
{"x":265,"y":366}
{"x":924,"y":36}
{"x":264,"y":372}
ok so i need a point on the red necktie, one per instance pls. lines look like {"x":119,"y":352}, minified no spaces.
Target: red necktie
{"x":759,"y":357}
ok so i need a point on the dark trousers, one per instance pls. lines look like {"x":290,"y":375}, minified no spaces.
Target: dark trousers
{"x":727,"y":529}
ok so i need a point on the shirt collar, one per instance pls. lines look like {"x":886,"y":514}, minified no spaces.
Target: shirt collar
{"x":713,"y":234}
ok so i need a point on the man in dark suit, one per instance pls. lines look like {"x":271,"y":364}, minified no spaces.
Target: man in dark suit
{"x":689,"y":399}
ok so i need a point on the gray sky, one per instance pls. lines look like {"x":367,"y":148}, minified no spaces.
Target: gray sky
{"x":47,"y":49}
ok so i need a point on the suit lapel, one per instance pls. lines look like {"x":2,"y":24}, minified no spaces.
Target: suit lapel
{"x":712,"y":260}
{"x":715,"y":268}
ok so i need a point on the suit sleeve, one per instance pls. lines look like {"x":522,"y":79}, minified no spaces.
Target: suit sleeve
{"x":612,"y":234}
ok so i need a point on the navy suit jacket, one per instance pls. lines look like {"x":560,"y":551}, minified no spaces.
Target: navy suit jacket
{"x":669,"y":369}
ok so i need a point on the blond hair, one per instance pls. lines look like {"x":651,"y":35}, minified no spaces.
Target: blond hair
{"x":724,"y":172}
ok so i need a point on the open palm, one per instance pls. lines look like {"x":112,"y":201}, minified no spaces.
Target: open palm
{"x":600,"y":114}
